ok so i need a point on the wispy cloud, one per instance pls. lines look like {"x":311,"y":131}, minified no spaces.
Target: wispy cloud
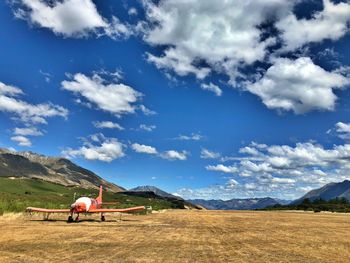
{"x":207,"y":154}
{"x":343,"y":130}
{"x":107,"y":125}
{"x":147,"y":111}
{"x":212,"y":88}
{"x":22,"y":141}
{"x":148,"y":128}
{"x":27,"y":131}
{"x":24,"y":111}
{"x":191,"y":137}
{"x":174,"y":155}
{"x":222,"y":168}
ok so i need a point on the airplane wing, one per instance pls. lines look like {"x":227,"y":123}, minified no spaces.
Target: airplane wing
{"x":115,"y":210}
{"x":44,"y":210}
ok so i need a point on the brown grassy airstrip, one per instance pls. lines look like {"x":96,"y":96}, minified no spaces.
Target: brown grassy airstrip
{"x":179,"y":236}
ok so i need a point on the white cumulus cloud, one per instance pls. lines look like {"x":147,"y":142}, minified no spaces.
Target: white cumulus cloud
{"x":223,"y":34}
{"x":98,"y":147}
{"x":330,"y":23}
{"x":307,"y":162}
{"x":201,"y":37}
{"x":298,"y":85}
{"x":141,"y":148}
{"x":281,"y":171}
{"x":115,"y":98}
{"x":170,"y":155}
{"x":70,"y":18}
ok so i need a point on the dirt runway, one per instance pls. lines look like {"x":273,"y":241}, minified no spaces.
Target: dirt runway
{"x":179,"y":236}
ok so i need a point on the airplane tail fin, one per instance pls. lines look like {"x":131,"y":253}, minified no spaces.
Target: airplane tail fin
{"x":99,"y":198}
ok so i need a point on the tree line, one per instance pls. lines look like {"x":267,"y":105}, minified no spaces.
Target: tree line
{"x":333,"y":205}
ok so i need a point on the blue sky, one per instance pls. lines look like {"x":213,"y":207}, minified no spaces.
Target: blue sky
{"x":206,"y":100}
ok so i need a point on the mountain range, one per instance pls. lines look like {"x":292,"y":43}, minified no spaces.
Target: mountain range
{"x":236,"y":204}
{"x":51,"y":169}
{"x":327,"y":192}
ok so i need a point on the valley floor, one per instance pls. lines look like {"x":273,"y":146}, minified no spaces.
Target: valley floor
{"x":179,"y":236}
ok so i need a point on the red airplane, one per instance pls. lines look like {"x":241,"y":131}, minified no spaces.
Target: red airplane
{"x":85,"y":205}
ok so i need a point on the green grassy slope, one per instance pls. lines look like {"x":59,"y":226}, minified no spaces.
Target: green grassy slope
{"x":17,"y":194}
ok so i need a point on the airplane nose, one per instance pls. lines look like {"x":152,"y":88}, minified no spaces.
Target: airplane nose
{"x":78,"y":207}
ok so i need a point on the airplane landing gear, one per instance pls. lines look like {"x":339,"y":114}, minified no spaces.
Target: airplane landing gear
{"x":77,"y":218}
{"x":70,"y":219}
{"x":103,"y":218}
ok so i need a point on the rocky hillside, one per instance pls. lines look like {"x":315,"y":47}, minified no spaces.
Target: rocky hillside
{"x":328,"y":192}
{"x":236,"y":204}
{"x":51,"y":169}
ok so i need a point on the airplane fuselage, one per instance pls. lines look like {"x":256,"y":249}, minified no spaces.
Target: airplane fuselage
{"x":84,"y":204}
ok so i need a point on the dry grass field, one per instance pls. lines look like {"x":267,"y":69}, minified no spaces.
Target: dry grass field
{"x":179,"y":236}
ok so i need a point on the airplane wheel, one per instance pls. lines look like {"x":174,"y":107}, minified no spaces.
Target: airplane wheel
{"x":70,"y":219}
{"x":103,"y":218}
